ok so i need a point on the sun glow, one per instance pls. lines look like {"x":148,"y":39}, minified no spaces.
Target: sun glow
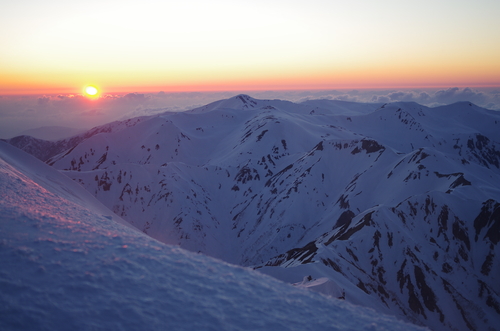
{"x":297,"y":45}
{"x":91,"y":91}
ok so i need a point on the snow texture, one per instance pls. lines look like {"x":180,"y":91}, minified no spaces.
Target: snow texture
{"x":391,"y":206}
{"x":68,"y":264}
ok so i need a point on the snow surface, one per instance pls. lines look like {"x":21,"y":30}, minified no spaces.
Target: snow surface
{"x":394,"y":205}
{"x":67,"y":263}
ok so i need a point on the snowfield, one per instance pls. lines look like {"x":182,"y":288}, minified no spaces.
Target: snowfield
{"x":68,"y":263}
{"x":395,"y":207}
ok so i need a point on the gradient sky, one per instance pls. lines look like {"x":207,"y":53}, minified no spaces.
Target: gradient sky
{"x":60,"y":46}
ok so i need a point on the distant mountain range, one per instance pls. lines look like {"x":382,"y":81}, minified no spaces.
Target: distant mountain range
{"x":392,"y":206}
{"x":52,"y":132}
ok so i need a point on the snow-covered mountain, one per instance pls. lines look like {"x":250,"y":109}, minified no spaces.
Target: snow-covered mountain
{"x":393,"y":206}
{"x":69,"y":263}
{"x":45,"y":149}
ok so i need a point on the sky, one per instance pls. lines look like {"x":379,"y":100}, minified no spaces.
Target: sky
{"x":59,"y":46}
{"x":132,"y":50}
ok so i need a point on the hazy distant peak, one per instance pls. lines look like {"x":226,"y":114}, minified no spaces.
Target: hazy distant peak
{"x":52,"y":132}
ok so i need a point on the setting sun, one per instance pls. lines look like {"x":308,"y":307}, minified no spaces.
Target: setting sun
{"x":91,"y":91}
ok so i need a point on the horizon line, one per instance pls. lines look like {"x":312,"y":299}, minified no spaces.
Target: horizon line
{"x":159,"y":89}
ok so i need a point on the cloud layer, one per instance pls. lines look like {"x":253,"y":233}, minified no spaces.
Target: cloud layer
{"x":20,"y":113}
{"x":486,"y":97}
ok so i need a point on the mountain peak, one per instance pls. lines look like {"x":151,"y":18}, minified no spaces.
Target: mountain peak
{"x":241,"y":101}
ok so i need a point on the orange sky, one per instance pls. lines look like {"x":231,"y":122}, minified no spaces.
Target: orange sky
{"x":126,"y":46}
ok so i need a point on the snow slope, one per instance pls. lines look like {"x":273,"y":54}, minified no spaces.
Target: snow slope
{"x":68,"y":263}
{"x":395,"y":205}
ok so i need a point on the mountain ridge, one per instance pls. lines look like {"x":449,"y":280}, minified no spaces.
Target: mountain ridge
{"x":69,"y":262}
{"x":312,"y":187}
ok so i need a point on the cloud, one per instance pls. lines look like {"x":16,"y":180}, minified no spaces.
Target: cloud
{"x":424,"y":97}
{"x":134,"y":97}
{"x":346,"y":97}
{"x":43,"y":101}
{"x":381,"y":99}
{"x":20,"y":113}
{"x":488,"y":97}
{"x":402,"y":96}
{"x":446,"y":94}
{"x":93,"y":112}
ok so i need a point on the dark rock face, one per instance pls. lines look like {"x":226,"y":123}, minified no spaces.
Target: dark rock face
{"x":41,"y":149}
{"x":44,"y":150}
{"x":488,"y":222}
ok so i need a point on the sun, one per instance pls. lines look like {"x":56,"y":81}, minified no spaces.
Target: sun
{"x":91,"y":91}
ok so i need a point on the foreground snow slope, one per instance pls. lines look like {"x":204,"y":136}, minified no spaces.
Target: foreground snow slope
{"x":68,"y":264}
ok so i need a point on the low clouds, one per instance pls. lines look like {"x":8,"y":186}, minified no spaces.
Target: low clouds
{"x":422,"y":97}
{"x":485,"y":97}
{"x":20,"y":113}
{"x":43,"y":101}
{"x":93,"y":112}
{"x":467,"y":94}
